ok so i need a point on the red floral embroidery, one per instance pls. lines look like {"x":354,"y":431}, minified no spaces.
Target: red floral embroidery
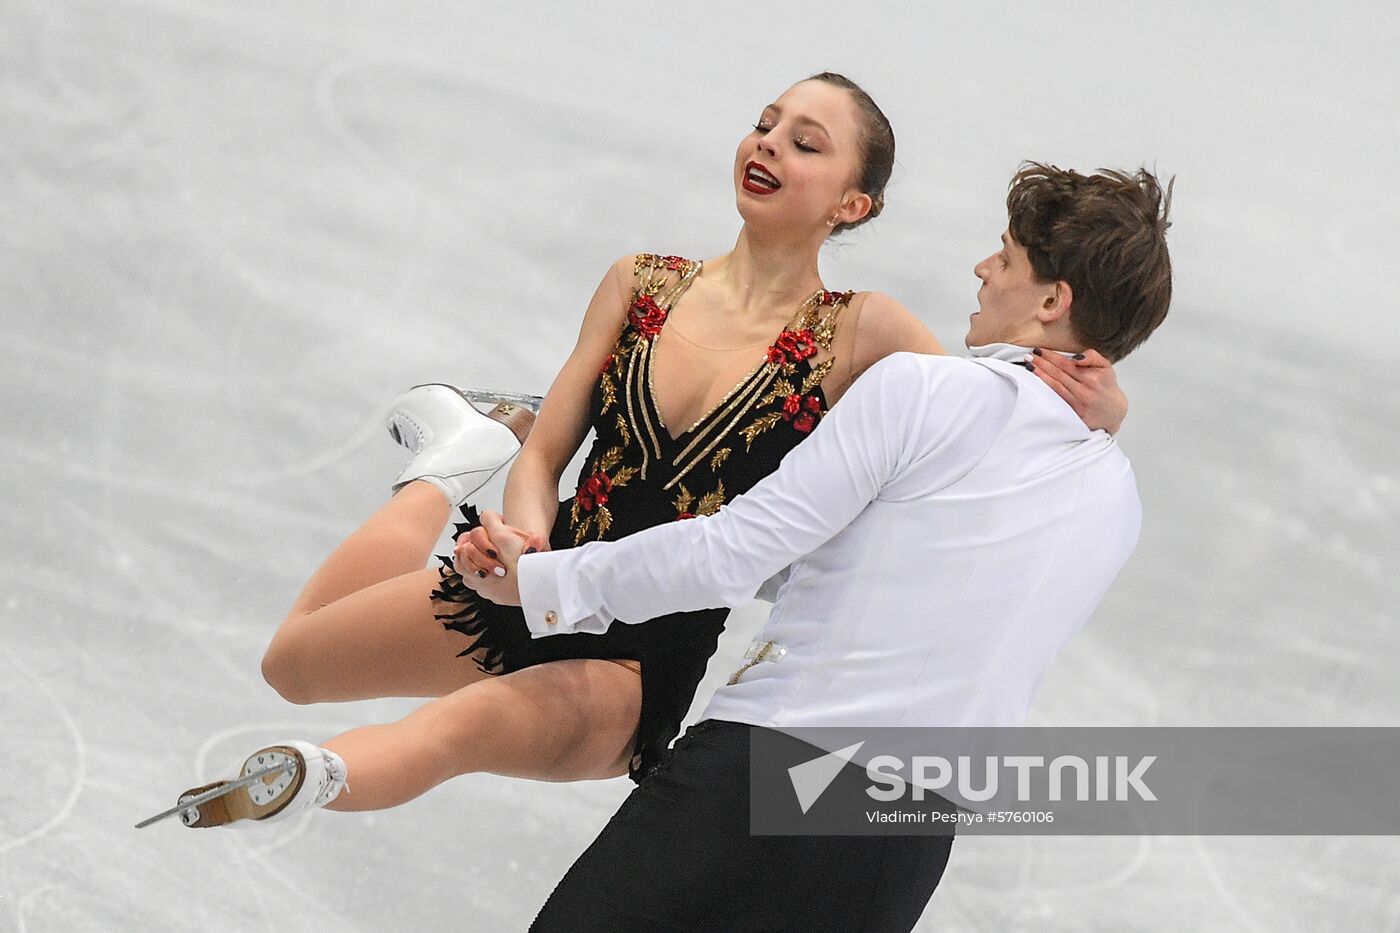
{"x":674,"y":262}
{"x":792,"y":346}
{"x":802,"y":412}
{"x":594,"y":492}
{"x":646,"y":315}
{"x":685,"y":515}
{"x":607,"y":364}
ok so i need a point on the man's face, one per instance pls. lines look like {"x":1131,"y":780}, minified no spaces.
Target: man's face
{"x":1010,"y":297}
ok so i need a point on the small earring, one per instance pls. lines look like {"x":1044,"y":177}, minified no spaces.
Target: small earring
{"x":832,"y":221}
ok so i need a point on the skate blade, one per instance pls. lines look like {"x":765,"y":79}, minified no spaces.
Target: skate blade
{"x":489,"y":397}
{"x":219,"y":803}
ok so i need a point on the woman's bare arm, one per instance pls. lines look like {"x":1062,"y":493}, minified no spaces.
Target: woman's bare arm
{"x":884,"y":326}
{"x":881,"y":326}
{"x":532,"y":486}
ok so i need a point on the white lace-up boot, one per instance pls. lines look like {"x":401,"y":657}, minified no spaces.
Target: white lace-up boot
{"x":312,"y":777}
{"x":456,"y":447}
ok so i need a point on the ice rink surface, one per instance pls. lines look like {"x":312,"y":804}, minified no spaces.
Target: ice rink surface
{"x":233,"y":231}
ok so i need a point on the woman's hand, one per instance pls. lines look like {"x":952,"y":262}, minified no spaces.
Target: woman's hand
{"x":478,"y":554}
{"x":502,"y":588}
{"x":1089,"y":385}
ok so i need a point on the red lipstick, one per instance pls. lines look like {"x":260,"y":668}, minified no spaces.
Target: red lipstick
{"x":758,"y":180}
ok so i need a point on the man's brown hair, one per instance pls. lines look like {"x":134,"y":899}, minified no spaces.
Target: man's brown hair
{"x":1104,"y":234}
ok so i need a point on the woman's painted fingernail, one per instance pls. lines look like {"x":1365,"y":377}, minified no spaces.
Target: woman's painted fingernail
{"x":490,"y":553}
{"x":481,"y":574}
{"x":531,"y":550}
{"x":1037,"y":352}
{"x":500,"y":571}
{"x":1030,"y":366}
{"x":1077,"y":356}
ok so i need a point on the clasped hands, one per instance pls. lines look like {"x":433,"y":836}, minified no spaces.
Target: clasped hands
{"x":488,"y":557}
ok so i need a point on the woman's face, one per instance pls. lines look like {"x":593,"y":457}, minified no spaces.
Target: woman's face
{"x":798,"y":168}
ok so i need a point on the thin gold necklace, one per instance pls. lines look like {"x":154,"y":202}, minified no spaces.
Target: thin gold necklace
{"x":748,"y":346}
{"x":801,"y":309}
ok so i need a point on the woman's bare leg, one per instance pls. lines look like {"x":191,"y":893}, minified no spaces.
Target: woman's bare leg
{"x":364,"y":624}
{"x":562,"y":721}
{"x":395,"y":540}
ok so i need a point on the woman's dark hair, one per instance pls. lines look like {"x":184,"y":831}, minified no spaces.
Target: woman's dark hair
{"x":1104,"y":234}
{"x":877,"y":147}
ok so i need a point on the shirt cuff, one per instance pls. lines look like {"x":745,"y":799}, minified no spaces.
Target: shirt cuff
{"x":537,"y":578}
{"x":549,"y":595}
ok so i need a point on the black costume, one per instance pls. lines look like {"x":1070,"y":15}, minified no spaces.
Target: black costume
{"x":638,"y":474}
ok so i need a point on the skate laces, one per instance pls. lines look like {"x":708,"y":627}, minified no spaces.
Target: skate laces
{"x":334,"y":779}
{"x":409,"y":429}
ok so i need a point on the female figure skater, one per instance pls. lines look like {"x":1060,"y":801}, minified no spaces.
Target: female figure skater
{"x":697,"y":377}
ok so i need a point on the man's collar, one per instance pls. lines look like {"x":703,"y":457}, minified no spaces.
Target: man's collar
{"x":1007,"y":352}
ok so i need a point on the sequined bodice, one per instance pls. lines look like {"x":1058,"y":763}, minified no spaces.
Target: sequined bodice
{"x":637,"y":474}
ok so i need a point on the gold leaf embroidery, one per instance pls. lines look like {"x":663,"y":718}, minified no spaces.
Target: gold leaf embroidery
{"x":711,"y":501}
{"x":573,"y":512}
{"x":718,"y":459}
{"x":654,"y":262}
{"x":622,"y":429}
{"x":608,"y":460}
{"x":645,"y":270}
{"x":758,"y":426}
{"x":683,"y":500}
{"x":654,"y":273}
{"x":582,"y":531}
{"x":815,"y":377}
{"x":609,"y":394}
{"x":621,"y":477}
{"x":650,"y":282}
{"x":604,"y":520}
{"x":824,"y":329}
{"x":781,"y":389}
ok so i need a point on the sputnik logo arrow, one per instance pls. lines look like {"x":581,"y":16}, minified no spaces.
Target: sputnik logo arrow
{"x":811,"y":778}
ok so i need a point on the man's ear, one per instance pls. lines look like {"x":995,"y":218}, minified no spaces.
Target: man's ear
{"x":1056,"y":303}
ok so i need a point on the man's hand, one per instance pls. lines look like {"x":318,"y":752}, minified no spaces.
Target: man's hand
{"x":476,"y":553}
{"x":509,"y":545}
{"x":1089,"y":385}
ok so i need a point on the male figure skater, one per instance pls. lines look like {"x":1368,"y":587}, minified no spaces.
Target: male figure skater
{"x":950,"y":524}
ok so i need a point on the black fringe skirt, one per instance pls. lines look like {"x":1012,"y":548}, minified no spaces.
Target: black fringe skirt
{"x":673,"y":650}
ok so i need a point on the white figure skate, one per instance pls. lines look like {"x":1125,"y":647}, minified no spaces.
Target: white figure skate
{"x":456,"y":446}
{"x":275,"y":783}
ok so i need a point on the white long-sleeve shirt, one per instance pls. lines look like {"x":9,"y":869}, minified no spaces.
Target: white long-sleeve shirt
{"x":950,"y":524}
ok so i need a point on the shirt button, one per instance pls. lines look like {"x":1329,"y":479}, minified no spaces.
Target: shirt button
{"x":550,"y":618}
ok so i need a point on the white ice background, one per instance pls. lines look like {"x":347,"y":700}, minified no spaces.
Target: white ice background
{"x":231,"y":232}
